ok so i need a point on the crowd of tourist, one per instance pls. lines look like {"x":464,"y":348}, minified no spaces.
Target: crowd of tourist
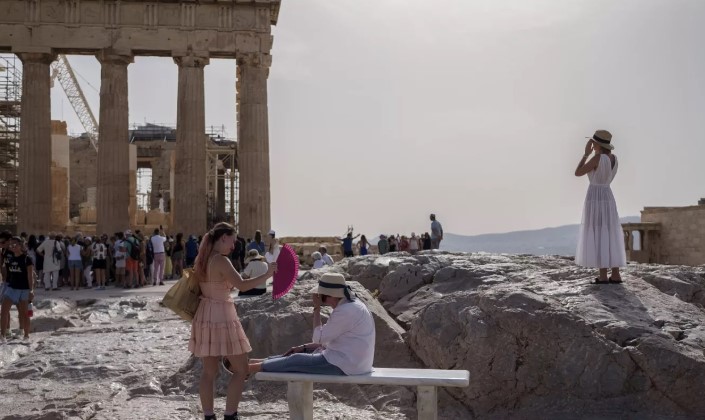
{"x":392,"y":243}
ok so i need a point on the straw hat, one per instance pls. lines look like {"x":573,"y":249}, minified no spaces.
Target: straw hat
{"x":603,"y":138}
{"x":253,"y":255}
{"x":333,"y":284}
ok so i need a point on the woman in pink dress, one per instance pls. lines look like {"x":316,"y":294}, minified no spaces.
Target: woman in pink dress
{"x":215,"y":330}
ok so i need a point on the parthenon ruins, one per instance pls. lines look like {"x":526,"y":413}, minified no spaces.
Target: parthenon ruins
{"x":116,"y":31}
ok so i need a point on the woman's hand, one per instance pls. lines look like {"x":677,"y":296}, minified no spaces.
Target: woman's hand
{"x":272,"y":268}
{"x":316,"y":301}
{"x":295,"y":349}
{"x":589,"y":147}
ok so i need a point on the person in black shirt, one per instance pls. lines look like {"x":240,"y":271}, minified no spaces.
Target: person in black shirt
{"x":20,"y":287}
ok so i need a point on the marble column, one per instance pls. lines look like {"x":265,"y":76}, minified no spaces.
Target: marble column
{"x":190,"y":210}
{"x":113,"y":187}
{"x":253,"y":144}
{"x":35,"y":188}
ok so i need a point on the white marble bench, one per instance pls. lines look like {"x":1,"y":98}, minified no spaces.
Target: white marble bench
{"x":300,"y":393}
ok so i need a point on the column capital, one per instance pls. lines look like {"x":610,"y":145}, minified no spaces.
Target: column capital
{"x":255,"y":60}
{"x":191,"y":60}
{"x":112,"y":56}
{"x":36,"y":57}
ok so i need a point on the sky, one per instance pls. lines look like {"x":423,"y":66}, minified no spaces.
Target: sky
{"x":383,"y":111}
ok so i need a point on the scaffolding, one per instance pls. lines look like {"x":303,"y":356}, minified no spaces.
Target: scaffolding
{"x":10,"y":101}
{"x":222,"y":180}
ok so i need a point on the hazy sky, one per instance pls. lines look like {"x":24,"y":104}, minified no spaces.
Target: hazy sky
{"x":382,"y":111}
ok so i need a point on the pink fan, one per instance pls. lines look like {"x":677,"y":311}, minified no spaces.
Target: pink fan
{"x":287,"y":271}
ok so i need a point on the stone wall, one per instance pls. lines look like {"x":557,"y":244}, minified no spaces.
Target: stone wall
{"x":84,"y":172}
{"x":682,"y":233}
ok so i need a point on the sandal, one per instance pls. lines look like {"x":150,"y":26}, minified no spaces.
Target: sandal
{"x":598,"y":281}
{"x":614,"y":281}
{"x":226,"y":365}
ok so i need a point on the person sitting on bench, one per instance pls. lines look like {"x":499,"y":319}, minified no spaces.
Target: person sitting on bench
{"x":345,"y":345}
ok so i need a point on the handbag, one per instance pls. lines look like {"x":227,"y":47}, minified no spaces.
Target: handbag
{"x":184,"y":297}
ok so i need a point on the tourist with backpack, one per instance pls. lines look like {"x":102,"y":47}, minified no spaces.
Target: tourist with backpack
{"x":132,"y":264}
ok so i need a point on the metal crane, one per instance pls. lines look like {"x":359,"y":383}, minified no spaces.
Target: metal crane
{"x":61,"y":69}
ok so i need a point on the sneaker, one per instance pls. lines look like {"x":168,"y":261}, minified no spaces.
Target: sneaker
{"x":231,"y":417}
{"x":161,"y":283}
{"x":211,"y":417}
{"x":25,"y":338}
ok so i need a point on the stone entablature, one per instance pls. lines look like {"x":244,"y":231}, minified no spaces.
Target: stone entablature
{"x":213,"y":28}
{"x":115,"y":31}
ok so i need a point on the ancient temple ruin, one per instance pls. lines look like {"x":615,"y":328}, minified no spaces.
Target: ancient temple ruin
{"x":668,"y":235}
{"x":116,"y":31}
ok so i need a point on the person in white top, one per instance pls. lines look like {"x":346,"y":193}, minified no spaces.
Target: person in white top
{"x":158,"y":240}
{"x":52,"y":251}
{"x":325,"y":256}
{"x":317,"y":260}
{"x":413,"y":243}
{"x":255,"y":268}
{"x":75,"y":263}
{"x":345,"y":345}
{"x":600,"y":239}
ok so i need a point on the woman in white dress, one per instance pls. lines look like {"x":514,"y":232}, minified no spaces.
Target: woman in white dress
{"x":601,"y":241}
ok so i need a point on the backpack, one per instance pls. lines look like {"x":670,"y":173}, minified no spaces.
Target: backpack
{"x":135,"y":250}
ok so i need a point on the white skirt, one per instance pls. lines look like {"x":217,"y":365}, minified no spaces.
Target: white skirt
{"x":601,"y":239}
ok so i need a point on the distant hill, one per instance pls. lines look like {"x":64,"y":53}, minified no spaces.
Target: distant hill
{"x":560,"y":240}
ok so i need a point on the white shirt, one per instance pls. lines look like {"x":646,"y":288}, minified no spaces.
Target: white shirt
{"x":158,"y":244}
{"x":75,"y":252}
{"x":348,"y":337}
{"x":327,"y":259}
{"x":47,"y":247}
{"x":318,"y":264}
{"x":255,"y":269}
{"x":414,"y":243}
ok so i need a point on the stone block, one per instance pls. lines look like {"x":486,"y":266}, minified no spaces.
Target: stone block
{"x":87,"y":215}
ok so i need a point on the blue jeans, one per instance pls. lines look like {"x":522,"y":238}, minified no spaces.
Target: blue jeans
{"x":302,"y":363}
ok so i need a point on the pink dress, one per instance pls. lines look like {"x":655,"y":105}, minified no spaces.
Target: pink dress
{"x":216,"y":329}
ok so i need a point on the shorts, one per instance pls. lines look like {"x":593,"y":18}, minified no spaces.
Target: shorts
{"x":99,"y":264}
{"x":132,"y":265}
{"x":78,"y":264}
{"x":16,"y":295}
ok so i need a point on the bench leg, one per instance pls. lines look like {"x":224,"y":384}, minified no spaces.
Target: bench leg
{"x":427,"y":403}
{"x":300,"y":396}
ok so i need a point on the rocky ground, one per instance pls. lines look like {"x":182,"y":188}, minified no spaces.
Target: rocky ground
{"x":538,"y":339}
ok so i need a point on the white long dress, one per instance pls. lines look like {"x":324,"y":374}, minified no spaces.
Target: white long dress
{"x":601,"y":241}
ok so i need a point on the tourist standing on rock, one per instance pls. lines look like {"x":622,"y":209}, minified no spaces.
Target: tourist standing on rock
{"x":19,"y":290}
{"x":392,"y":243}
{"x":382,"y":245}
{"x":363,"y":245}
{"x":215,"y":330}
{"x":413,"y":244}
{"x":601,"y":239}
{"x":258,"y":244}
{"x":436,"y":232}
{"x":345,"y":345}
{"x":348,"y":244}
{"x":256,"y":266}
{"x":426,"y":241}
